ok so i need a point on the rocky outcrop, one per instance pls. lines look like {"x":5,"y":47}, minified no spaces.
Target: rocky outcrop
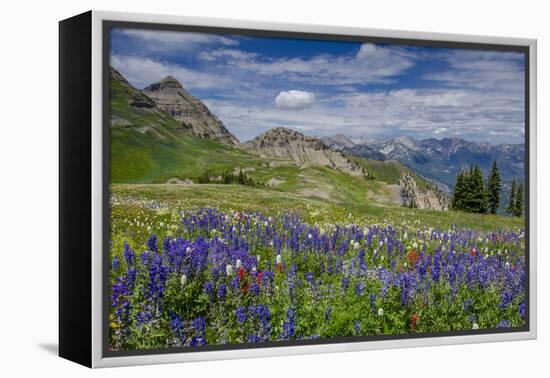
{"x":428,"y":197}
{"x":169,"y":95}
{"x":303,"y":150}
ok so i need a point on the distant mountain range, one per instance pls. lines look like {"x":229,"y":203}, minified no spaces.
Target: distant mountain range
{"x":438,"y":160}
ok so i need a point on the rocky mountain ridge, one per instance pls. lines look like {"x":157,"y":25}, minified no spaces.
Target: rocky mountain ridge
{"x":169,"y":95}
{"x":302,"y":149}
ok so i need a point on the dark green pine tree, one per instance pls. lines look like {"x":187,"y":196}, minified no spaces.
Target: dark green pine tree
{"x":467,"y":198}
{"x":457,"y":201}
{"x":510,"y":209}
{"x":493,"y":189}
{"x":518,"y":203}
{"x":478,"y":192}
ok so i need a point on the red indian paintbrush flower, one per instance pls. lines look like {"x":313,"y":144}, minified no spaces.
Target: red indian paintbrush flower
{"x":244,"y":288}
{"x":472,"y":251}
{"x":414,"y":319}
{"x":240,"y":273}
{"x":259,"y":278}
{"x":412,"y":257}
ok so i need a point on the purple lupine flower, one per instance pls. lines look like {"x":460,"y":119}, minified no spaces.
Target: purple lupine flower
{"x":240,"y":314}
{"x":521,"y":310}
{"x":221,"y":291}
{"x":208,"y":287}
{"x":176,"y":327}
{"x":288,"y":325}
{"x":115,"y":263}
{"x":345,"y":283}
{"x":152,"y":243}
{"x":503,"y":324}
{"x":327,"y":313}
{"x":359,"y":288}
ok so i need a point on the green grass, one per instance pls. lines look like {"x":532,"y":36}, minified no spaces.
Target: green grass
{"x":388,"y":171}
{"x":311,"y":209}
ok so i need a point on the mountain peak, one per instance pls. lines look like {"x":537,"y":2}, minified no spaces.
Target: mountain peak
{"x":171,"y":80}
{"x":192,"y":113}
{"x":303,"y":150}
{"x":168,"y":83}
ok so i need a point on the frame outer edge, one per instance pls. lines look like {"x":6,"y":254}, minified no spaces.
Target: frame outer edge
{"x":97,"y":185}
{"x":97,"y":355}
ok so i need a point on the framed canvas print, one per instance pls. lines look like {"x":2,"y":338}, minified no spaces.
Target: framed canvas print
{"x":239,"y":189}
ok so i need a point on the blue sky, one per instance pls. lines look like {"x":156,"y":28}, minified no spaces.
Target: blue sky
{"x":327,"y":87}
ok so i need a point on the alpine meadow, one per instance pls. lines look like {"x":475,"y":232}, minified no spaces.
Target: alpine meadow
{"x":273,"y":189}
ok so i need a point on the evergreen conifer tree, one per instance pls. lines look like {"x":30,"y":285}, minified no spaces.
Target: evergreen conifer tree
{"x":457,"y":201}
{"x":478,"y":193}
{"x":518,"y":201}
{"x":512,"y":199}
{"x":493,"y":189}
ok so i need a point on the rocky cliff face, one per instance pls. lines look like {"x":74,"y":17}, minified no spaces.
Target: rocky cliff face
{"x":303,"y":150}
{"x":421,"y":198}
{"x":169,"y":95}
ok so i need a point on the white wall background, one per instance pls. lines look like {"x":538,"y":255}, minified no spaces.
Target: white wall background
{"x":28,"y":210}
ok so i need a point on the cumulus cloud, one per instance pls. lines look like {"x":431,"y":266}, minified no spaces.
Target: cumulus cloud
{"x":294,"y":100}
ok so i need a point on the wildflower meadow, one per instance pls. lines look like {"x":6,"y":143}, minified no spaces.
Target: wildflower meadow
{"x":188,"y":277}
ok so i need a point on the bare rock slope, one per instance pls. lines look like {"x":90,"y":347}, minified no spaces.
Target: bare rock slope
{"x":422,"y":198}
{"x":303,"y":150}
{"x":169,"y":95}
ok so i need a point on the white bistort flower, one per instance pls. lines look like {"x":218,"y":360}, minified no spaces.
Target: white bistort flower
{"x":278,"y":259}
{"x":238,"y":264}
{"x":380,"y":311}
{"x":258,"y":258}
{"x":475,"y":326}
{"x":183,"y":279}
{"x":309,"y":236}
{"x":229,"y":270}
{"x":188,"y":249}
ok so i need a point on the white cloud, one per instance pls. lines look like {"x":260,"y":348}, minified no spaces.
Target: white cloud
{"x":294,"y":99}
{"x":226,"y":53}
{"x":482,"y":70}
{"x":421,"y":113}
{"x":371,"y":64}
{"x":170,"y":41}
{"x":140,"y":72}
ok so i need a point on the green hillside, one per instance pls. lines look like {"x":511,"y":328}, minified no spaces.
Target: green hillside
{"x":150,"y":147}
